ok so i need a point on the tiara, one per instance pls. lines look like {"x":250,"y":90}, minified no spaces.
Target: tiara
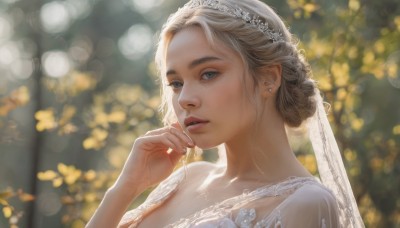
{"x":253,"y":20}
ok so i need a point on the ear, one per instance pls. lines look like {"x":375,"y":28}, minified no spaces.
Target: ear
{"x":270,"y":80}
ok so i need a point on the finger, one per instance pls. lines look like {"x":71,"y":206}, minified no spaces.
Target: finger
{"x":182,"y":136}
{"x":176,"y":131}
{"x":166,"y":139}
{"x":157,"y":140}
{"x":158,"y":131}
{"x":180,"y":145}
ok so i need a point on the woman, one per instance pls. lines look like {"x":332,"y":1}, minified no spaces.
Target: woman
{"x":231,"y":75}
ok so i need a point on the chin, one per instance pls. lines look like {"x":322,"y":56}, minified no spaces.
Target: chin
{"x":205,"y":145}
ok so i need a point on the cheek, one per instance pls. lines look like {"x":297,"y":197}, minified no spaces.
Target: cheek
{"x":176,"y":108}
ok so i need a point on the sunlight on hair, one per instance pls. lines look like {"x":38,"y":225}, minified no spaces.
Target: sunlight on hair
{"x":56,"y":63}
{"x":136,"y":42}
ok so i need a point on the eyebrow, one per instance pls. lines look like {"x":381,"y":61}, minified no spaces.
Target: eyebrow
{"x":196,"y":62}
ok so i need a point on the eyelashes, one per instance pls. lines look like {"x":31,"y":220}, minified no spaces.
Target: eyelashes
{"x":204,"y":77}
{"x":175,"y":84}
{"x":209,"y":75}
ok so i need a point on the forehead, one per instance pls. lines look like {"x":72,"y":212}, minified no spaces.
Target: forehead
{"x":191,"y":43}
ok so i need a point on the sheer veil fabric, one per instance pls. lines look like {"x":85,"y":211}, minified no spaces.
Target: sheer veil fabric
{"x":330,"y":166}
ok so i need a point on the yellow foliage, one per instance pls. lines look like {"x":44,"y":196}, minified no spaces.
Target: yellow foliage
{"x":352,"y":52}
{"x":379,"y":46}
{"x":101,"y":119}
{"x":7,"y":211}
{"x":96,"y":139}
{"x":18,"y":97}
{"x":368,"y":58}
{"x":70,"y":173}
{"x":25,"y":197}
{"x":57,"y":182}
{"x":83,"y":81}
{"x":46,"y":120}
{"x":350,"y":155}
{"x":341,"y":94}
{"x":4,"y":195}
{"x":90,"y":143}
{"x":341,"y":73}
{"x":75,"y":83}
{"x":396,"y":130}
{"x":68,"y":112}
{"x":354,"y":5}
{"x":310,"y":7}
{"x":337,"y":105}
{"x":72,"y":177}
{"x":63,"y":169}
{"x":370,"y":215}
{"x":47,"y":175}
{"x":397,"y":22}
{"x":376,"y":163}
{"x":78,"y":224}
{"x":309,"y":162}
{"x":129,"y":95}
{"x":324,"y":83}
{"x":90,"y":197}
{"x":357,"y":124}
{"x":117,"y":117}
{"x":90,"y":175}
{"x":392,"y":69}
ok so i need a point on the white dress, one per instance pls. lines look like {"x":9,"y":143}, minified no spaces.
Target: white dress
{"x":297,"y":202}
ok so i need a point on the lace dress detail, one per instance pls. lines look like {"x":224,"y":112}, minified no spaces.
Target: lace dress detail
{"x":302,"y":205}
{"x":157,"y":197}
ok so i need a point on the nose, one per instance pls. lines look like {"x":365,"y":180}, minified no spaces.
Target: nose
{"x":189,"y":97}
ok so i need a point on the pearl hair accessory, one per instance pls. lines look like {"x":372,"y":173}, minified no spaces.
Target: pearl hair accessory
{"x":253,"y":20}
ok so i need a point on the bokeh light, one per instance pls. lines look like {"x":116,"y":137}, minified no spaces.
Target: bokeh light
{"x":8,"y":53}
{"x":393,"y":69}
{"x":54,"y":17}
{"x":136,"y":42}
{"x":6,"y":29}
{"x":78,"y":9}
{"x":56,"y":63}
{"x":144,"y":6}
{"x":22,"y":68}
{"x":49,"y":203}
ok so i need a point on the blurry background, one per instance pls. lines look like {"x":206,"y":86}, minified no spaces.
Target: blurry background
{"x":78,"y":85}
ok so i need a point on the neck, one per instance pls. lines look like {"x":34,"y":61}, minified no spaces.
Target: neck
{"x":262,"y":155}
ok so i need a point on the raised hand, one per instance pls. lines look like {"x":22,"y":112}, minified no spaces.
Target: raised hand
{"x":153,"y":157}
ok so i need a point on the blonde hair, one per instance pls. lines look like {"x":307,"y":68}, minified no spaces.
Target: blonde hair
{"x":294,"y":100}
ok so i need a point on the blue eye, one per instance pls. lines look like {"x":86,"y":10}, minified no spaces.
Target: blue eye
{"x":209,"y":75}
{"x":175,"y":84}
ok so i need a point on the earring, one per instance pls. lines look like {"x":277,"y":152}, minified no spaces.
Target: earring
{"x":270,"y":90}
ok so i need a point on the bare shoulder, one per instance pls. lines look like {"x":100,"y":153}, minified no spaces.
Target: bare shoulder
{"x":312,"y":195}
{"x":318,"y":192}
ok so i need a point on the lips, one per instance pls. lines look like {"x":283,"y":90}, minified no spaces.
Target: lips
{"x":191,"y":121}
